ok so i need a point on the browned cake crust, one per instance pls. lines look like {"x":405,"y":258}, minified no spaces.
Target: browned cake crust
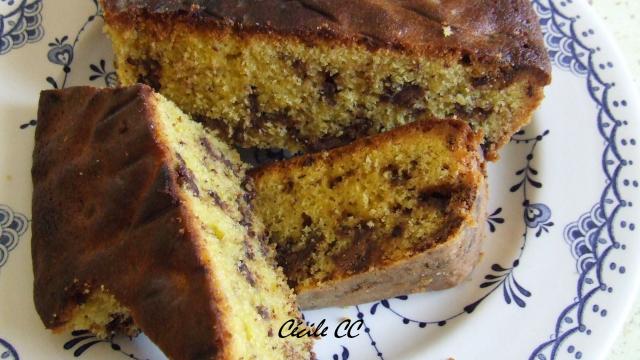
{"x":504,"y":33}
{"x":107,"y":216}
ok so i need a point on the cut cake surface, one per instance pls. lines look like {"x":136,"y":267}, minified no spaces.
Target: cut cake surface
{"x":314,"y":74}
{"x":387,"y":215}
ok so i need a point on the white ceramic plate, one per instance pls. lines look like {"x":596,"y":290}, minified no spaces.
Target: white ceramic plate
{"x":560,"y":267}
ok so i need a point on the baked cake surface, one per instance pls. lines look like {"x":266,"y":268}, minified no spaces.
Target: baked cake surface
{"x":141,"y":221}
{"x":311,"y":74}
{"x":387,"y":215}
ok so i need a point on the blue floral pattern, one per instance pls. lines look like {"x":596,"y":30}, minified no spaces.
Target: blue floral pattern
{"x":344,"y":354}
{"x":20,"y":23}
{"x":591,"y":238}
{"x":12,"y":226}
{"x":61,"y":52}
{"x":99,"y":71}
{"x":583,"y":237}
{"x":536,"y":216}
{"x":7,"y":351}
{"x":83,"y":340}
{"x":565,"y":52}
{"x":494,"y":219}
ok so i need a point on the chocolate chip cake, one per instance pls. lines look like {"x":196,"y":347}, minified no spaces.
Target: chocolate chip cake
{"x":141,"y":221}
{"x":314,"y":74}
{"x":400,"y":212}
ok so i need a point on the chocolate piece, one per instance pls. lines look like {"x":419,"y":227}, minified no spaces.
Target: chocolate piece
{"x":151,"y":75}
{"x":408,"y":95}
{"x":244,"y":269}
{"x":263,"y":312}
{"x":186,"y":177}
{"x":329,"y":88}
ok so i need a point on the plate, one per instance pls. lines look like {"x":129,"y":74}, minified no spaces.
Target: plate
{"x":560,"y":267}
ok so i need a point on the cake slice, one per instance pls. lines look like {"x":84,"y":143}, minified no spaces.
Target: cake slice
{"x":314,"y":74}
{"x":141,"y":221}
{"x":392,"y":214}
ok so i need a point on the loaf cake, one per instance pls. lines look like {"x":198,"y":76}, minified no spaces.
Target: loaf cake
{"x":396,"y":213}
{"x":314,"y":74}
{"x":141,"y":221}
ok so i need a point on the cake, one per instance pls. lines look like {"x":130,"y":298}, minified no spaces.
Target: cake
{"x":395,"y":213}
{"x":142,"y":221}
{"x":311,"y":75}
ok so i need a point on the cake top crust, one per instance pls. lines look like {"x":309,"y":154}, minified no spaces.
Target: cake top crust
{"x":107,"y":216}
{"x":502,"y":33}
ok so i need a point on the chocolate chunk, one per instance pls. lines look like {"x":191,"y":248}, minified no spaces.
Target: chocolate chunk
{"x":397,"y":231}
{"x":477,"y":113}
{"x":264,"y":313}
{"x":248,"y":249}
{"x":329,"y":88}
{"x":327,"y":142}
{"x":530,"y":90}
{"x":480,"y":81}
{"x":397,"y":176}
{"x":465,"y":60}
{"x":78,"y":292}
{"x":435,"y":197}
{"x":294,"y":262}
{"x":417,"y":113}
{"x":335,"y":181}
{"x":254,"y":108}
{"x":244,"y":206}
{"x":217,"y":155}
{"x":300,"y":68}
{"x":358,"y":128}
{"x":248,"y":275}
{"x":151,"y":70}
{"x":186,"y":177}
{"x":306,"y":220}
{"x":119,"y":324}
{"x":288,"y":186}
{"x":265,"y":250}
{"x":218,"y":200}
{"x":356,"y":257}
{"x":408,"y":96}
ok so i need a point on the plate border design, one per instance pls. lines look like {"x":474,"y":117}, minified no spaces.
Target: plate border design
{"x":7,"y":351}
{"x":25,"y":25}
{"x":570,"y":53}
{"x":583,"y":236}
{"x":12,"y":226}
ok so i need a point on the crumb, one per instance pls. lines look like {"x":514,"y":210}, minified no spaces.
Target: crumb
{"x":446,"y":30}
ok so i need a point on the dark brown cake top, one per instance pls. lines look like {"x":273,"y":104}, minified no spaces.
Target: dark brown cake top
{"x":107,"y":216}
{"x":499,"y":32}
